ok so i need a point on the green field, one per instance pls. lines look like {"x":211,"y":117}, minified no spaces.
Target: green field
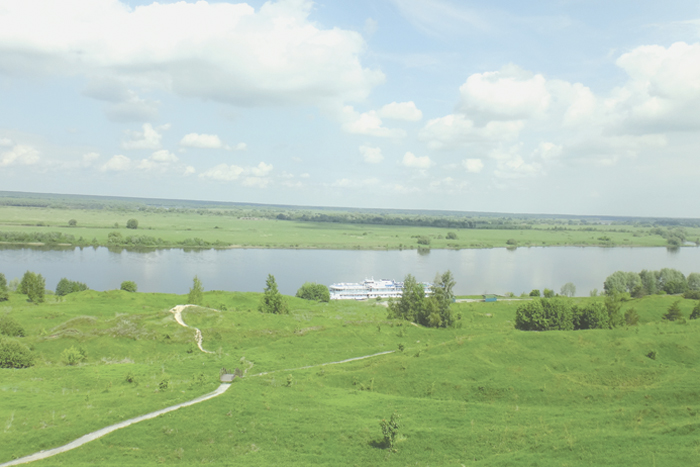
{"x":480,"y":394}
{"x":217,"y":228}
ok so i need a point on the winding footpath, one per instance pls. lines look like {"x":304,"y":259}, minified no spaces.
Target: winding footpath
{"x":177,"y":312}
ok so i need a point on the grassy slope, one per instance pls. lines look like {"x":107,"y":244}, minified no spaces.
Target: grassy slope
{"x":483,"y":394}
{"x":174,"y":227}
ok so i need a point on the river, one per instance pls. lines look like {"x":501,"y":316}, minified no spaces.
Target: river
{"x":495,"y":270}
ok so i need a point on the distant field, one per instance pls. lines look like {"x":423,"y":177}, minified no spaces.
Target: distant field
{"x":482,"y":394}
{"x":211,"y":228}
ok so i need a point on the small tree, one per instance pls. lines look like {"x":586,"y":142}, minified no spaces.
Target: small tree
{"x":535,"y":293}
{"x":410,"y":305}
{"x":64,"y":287}
{"x":674,"y":312}
{"x":272,"y":301}
{"x":568,"y":289}
{"x":695,"y":314}
{"x":14,"y":355}
{"x":132,"y":224}
{"x":390,"y":430}
{"x":196,"y":296}
{"x":451,"y":236}
{"x":33,"y":285}
{"x":631,"y":317}
{"x":548,"y":293}
{"x":72,"y":223}
{"x":10,"y":327}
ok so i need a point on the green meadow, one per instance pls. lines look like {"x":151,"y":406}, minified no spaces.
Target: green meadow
{"x":213,"y":227}
{"x":482,"y":393}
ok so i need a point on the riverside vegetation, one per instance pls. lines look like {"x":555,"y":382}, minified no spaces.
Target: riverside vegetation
{"x":65,"y":220}
{"x":480,"y":393}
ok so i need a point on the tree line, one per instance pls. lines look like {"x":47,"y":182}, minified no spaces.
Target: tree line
{"x":665,"y":281}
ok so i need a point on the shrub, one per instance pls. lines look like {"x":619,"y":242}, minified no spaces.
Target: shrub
{"x":423,"y":240}
{"x":511,"y":242}
{"x":631,"y":317}
{"x":591,"y":316}
{"x":14,"y":354}
{"x":132,"y":224}
{"x":544,"y":315}
{"x":72,"y":222}
{"x":10,"y":327}
{"x":313,"y":291}
{"x":129,"y":286}
{"x":692,"y":295}
{"x":64,"y":287}
{"x":674,"y":312}
{"x":548,"y":293}
{"x":451,"y":236}
{"x":390,"y":430}
{"x":535,"y":293}
{"x":73,"y":356}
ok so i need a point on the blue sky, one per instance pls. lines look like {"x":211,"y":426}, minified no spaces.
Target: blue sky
{"x":571,"y":107}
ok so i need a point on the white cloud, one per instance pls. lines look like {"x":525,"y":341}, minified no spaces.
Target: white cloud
{"x":401,"y":111}
{"x":5,"y":142}
{"x":414,"y":162}
{"x":228,"y":52}
{"x":348,"y":183}
{"x":189,"y":170}
{"x":256,"y":176}
{"x":194,"y":140}
{"x":371,"y":155}
{"x":118,"y":163}
{"x":149,"y":138}
{"x":367,"y":123}
{"x":240,"y":147}
{"x":510,"y":164}
{"x":509,"y":94}
{"x":165,"y":156}
{"x":19,"y":154}
{"x":473,"y":165}
{"x":457,"y":130}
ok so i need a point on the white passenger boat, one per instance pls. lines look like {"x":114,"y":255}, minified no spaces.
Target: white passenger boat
{"x":368,"y":289}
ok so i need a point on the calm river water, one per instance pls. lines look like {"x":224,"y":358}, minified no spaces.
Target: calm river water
{"x":495,"y":270}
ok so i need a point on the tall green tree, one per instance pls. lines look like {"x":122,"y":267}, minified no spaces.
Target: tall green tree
{"x":4,"y":292}
{"x":674,"y":312}
{"x":438,"y":312}
{"x":272,"y":300}
{"x":568,"y":289}
{"x":33,"y":285}
{"x":409,"y":306}
{"x":196,"y":294}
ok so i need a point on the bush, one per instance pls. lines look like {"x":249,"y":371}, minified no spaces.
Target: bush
{"x":196,"y":296}
{"x":313,"y":291}
{"x":544,"y":315}
{"x":390,"y":430}
{"x":692,"y":295}
{"x":72,"y":223}
{"x":548,"y":293}
{"x":64,"y":287}
{"x":10,"y":327}
{"x":14,"y":355}
{"x":72,"y":356}
{"x":535,"y":293}
{"x":592,"y":316}
{"x":511,"y":242}
{"x":132,"y":224}
{"x":423,"y":240}
{"x":451,"y":236}
{"x":631,"y":317}
{"x":129,"y":286}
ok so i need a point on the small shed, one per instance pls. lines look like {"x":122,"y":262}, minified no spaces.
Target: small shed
{"x":490,"y":298}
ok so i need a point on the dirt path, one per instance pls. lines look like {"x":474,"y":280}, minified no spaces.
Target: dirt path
{"x":104,"y":431}
{"x":325,"y":364}
{"x":177,"y":311}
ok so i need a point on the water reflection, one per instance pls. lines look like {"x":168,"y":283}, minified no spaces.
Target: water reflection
{"x":496,"y":270}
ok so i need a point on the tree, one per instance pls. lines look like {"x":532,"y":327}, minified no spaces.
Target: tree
{"x":674,"y":312}
{"x":33,"y":285}
{"x":313,"y":291}
{"x":671,"y":281}
{"x":544,"y":315}
{"x":410,"y":305}
{"x":272,"y":301}
{"x":648,"y":279}
{"x":10,"y":327}
{"x":535,"y":293}
{"x":129,"y":286}
{"x":195,"y":296}
{"x":72,"y":223}
{"x":4,"y":292}
{"x":592,"y":316}
{"x":451,"y":236}
{"x":548,"y":293}
{"x":438,"y":311}
{"x":695,"y":314}
{"x":620,"y":282}
{"x":568,"y":289}
{"x":64,"y":287}
{"x":631,"y":317}
{"x":132,"y":224}
{"x":694,"y":281}
{"x":613,"y":303}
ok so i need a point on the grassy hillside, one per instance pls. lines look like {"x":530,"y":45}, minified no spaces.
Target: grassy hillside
{"x":481,"y":394}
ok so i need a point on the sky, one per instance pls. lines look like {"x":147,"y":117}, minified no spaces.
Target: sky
{"x":556,"y":106}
